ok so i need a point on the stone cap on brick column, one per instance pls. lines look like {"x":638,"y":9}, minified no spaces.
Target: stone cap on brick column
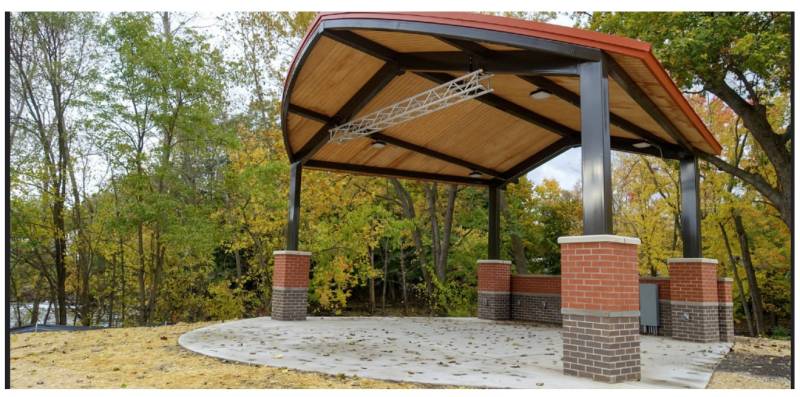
{"x":298,"y":253}
{"x":599,"y":238}
{"x":693,"y":260}
{"x":497,"y":261}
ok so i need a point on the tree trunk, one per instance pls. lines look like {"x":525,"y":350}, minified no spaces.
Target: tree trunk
{"x":114,"y":264}
{"x":431,"y":193}
{"x":385,"y":276}
{"x":59,"y":242}
{"x":140,"y":275}
{"x":755,"y":291}
{"x":371,"y":281}
{"x":444,"y":246}
{"x":238,"y":263}
{"x":403,"y":278}
{"x":409,"y":213}
{"x":737,"y":280}
{"x":37,"y":299}
{"x":47,"y":312}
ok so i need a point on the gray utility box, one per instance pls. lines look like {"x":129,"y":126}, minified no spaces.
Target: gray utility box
{"x":648,"y":305}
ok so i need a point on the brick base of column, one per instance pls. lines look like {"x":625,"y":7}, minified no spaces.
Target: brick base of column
{"x":494,"y":289}
{"x":695,"y":321}
{"x":725,"y":322}
{"x":289,"y":304}
{"x":725,"y":297}
{"x":695,"y":300}
{"x":290,"y":285}
{"x":603,"y":348}
{"x":600,"y":307}
{"x":494,"y":305}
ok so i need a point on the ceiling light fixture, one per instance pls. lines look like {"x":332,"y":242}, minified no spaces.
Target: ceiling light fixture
{"x":378,"y":144}
{"x":540,"y":94}
{"x":642,"y":145}
{"x":440,"y":97}
{"x":475,"y":174}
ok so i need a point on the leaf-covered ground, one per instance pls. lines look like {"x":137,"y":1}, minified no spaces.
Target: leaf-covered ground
{"x":148,"y":357}
{"x":754,"y":363}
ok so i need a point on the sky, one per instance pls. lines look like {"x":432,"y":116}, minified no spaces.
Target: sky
{"x":565,"y":168}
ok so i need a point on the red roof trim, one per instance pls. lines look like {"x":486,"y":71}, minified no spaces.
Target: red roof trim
{"x":605,"y":42}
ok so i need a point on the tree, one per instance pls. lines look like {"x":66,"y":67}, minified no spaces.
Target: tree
{"x":52,"y":63}
{"x":744,"y":59}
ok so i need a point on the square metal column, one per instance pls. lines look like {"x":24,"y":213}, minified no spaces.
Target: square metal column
{"x":293,"y":228}
{"x":690,"y":208}
{"x":494,"y":222}
{"x":596,"y":149}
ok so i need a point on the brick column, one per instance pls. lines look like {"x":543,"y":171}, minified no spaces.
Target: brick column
{"x":695,"y":304}
{"x":494,"y":289}
{"x":290,"y":285}
{"x":725,"y":297}
{"x":600,"y":307}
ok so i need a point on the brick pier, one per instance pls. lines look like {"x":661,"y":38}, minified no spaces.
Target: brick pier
{"x":600,"y":307}
{"x":695,"y":299}
{"x":494,"y":288}
{"x":290,"y":285}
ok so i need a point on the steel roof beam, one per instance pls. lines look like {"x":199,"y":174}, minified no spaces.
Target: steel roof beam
{"x":381,"y":171}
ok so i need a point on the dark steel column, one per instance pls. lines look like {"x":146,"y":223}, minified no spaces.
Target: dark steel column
{"x":494,"y":223}
{"x":596,"y":149}
{"x":293,"y":228}
{"x":690,"y":208}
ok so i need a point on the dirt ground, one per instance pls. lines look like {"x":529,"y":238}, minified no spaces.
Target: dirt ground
{"x":754,"y":363}
{"x":151,"y":358}
{"x":148,"y":358}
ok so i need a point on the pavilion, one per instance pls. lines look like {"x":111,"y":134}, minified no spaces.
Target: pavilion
{"x":482,"y":100}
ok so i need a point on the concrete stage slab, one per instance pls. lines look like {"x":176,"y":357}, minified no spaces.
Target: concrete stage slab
{"x":449,"y":351}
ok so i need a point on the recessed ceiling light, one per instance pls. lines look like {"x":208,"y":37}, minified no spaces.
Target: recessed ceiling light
{"x":642,"y":145}
{"x":378,"y":144}
{"x":540,"y":94}
{"x":475,"y":174}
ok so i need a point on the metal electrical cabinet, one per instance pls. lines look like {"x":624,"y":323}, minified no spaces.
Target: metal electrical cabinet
{"x":648,"y":308}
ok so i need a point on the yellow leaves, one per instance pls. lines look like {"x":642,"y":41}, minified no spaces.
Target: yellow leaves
{"x":332,"y":283}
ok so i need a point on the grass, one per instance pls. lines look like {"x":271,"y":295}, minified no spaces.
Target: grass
{"x":149,"y":357}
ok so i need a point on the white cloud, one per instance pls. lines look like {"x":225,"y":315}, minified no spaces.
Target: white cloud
{"x":565,"y":168}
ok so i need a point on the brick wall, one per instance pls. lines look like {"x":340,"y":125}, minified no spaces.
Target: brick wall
{"x":290,"y":285}
{"x":536,"y":297}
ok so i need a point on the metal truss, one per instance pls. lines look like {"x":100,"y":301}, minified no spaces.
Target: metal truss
{"x":440,"y":97}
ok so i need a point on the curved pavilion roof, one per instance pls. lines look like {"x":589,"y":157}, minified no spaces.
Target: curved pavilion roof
{"x":351,"y":64}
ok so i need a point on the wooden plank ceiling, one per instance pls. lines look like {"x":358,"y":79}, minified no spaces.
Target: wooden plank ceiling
{"x":481,"y":133}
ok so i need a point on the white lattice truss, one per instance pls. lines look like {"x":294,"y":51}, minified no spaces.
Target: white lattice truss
{"x":437,"y":98}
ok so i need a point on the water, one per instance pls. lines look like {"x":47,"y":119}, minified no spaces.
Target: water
{"x":25,"y":310}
